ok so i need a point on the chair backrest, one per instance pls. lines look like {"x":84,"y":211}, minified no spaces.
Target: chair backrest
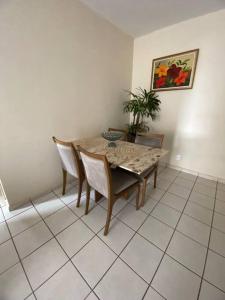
{"x":97,"y":171}
{"x":153,"y":140}
{"x":124,"y":136}
{"x":69,"y":157}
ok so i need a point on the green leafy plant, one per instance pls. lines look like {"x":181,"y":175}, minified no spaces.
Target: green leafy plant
{"x":143,"y":104}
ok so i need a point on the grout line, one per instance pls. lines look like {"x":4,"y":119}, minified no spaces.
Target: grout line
{"x":169,"y":240}
{"x":26,"y":228}
{"x":206,"y":258}
{"x":41,"y":219}
{"x":69,"y":260}
{"x":118,"y":256}
{"x":135,"y":232}
{"x":37,"y":288}
{"x":203,"y":194}
{"x":146,"y":217}
{"x":191,"y":238}
{"x":164,"y":203}
{"x":183,"y":198}
{"x":219,"y":213}
{"x":217,"y":229}
{"x":219,"y":254}
{"x":45,"y":241}
{"x":4,"y":223}
{"x":16,"y":263}
{"x":157,"y":292}
{"x":96,"y":234}
{"x":196,"y":203}
{"x":194,"y":218}
{"x":179,"y":232}
{"x":158,"y":219}
{"x":131,"y":229}
{"x":7,"y":219}
{"x":58,"y":209}
{"x":20,"y":261}
{"x":214,"y":286}
{"x":173,"y":258}
{"x":92,"y":291}
{"x":32,"y":206}
{"x":200,"y":205}
{"x":22,"y":258}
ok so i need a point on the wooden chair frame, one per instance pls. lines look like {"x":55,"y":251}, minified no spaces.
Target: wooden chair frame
{"x":119,"y":130}
{"x":111,"y":196}
{"x":79,"y":167}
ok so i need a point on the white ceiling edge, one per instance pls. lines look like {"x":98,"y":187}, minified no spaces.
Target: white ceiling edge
{"x":138,"y":18}
{"x":175,"y":24}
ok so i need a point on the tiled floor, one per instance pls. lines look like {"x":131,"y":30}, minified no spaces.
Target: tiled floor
{"x":172,"y":248}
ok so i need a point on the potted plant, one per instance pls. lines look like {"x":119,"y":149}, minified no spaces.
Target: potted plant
{"x":142,"y":105}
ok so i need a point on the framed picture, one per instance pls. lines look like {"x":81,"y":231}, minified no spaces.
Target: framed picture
{"x":174,"y":72}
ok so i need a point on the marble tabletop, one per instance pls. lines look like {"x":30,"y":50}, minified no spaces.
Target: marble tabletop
{"x":132,"y":157}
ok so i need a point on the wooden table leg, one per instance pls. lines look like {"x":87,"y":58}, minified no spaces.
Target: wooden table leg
{"x":142,"y":194}
{"x":98,"y":196}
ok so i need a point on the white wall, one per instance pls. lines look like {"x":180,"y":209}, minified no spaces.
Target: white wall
{"x":62,"y":72}
{"x":192,"y":120}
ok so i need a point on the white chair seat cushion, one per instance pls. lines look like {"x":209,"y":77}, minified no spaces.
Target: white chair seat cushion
{"x":121,"y":180}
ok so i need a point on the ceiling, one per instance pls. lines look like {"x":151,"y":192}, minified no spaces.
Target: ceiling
{"x":139,"y":17}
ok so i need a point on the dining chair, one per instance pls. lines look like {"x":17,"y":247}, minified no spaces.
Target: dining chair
{"x":124,"y":136}
{"x":110,"y":183}
{"x":153,"y":140}
{"x":71,"y":164}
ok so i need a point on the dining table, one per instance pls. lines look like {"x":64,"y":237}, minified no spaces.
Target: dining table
{"x":132,"y":157}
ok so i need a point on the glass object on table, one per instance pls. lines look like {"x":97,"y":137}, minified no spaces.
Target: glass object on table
{"x":112,"y":136}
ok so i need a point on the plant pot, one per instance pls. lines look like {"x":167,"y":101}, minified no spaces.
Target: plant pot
{"x":131,"y":137}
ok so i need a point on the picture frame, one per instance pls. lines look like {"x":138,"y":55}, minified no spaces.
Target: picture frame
{"x":174,"y":72}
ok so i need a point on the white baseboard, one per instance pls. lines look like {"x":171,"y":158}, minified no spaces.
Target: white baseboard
{"x":206,"y":176}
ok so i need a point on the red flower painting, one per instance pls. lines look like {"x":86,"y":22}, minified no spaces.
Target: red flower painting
{"x":175,"y":71}
{"x":181,"y":78}
{"x":160,"y":82}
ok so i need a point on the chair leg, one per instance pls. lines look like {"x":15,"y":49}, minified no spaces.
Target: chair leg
{"x":138,"y":197}
{"x":143,"y":192}
{"x":64,"y":181}
{"x":155,"y":176}
{"x":87,"y":198}
{"x":109,"y":214}
{"x":80,"y":185}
